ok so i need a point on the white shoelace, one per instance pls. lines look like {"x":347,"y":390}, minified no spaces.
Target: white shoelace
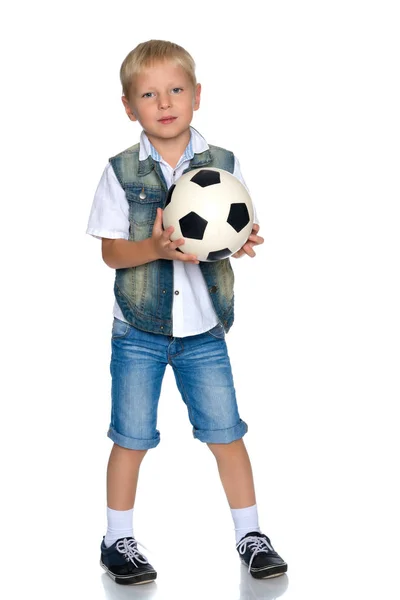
{"x":131,"y":552}
{"x":257,"y":544}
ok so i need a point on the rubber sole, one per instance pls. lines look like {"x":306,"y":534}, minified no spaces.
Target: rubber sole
{"x":268,"y":573}
{"x":139,"y":579}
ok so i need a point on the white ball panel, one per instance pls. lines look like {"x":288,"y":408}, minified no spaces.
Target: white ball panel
{"x":212,"y":203}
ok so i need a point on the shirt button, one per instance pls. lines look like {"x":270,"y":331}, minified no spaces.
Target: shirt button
{"x":176,"y":292}
{"x":213,"y":289}
{"x":164,"y":291}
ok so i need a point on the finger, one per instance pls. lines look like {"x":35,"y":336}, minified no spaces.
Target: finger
{"x":157,"y":226}
{"x":257,"y":239}
{"x":159,"y":215}
{"x":187,"y":258}
{"x":239,"y":253}
{"x":175,"y":243}
{"x":168,"y":232}
{"x":248,"y":248}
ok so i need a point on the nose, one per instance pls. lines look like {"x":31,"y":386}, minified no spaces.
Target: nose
{"x":164,"y":102}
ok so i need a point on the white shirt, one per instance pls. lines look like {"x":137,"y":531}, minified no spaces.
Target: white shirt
{"x":192,"y":309}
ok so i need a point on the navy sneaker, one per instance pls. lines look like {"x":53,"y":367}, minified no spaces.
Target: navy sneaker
{"x":256,"y":552}
{"x":125,"y":564}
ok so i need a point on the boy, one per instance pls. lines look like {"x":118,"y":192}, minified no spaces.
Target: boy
{"x":169,"y":309}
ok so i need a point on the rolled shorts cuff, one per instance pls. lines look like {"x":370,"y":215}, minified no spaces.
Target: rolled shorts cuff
{"x":221,"y":436}
{"x":133,"y":443}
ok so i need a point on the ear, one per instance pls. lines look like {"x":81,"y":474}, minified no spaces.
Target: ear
{"x":128,"y":108}
{"x":197,"y":94}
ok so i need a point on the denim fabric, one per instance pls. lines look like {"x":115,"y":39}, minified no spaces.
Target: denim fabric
{"x":203,"y":375}
{"x":144,"y":293}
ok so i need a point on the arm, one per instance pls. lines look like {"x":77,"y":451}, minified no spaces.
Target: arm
{"x":254,"y":239}
{"x":121,"y":253}
{"x":238,"y":174}
{"x":109,"y":221}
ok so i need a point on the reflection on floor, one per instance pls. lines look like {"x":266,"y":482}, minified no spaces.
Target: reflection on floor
{"x":249,"y":589}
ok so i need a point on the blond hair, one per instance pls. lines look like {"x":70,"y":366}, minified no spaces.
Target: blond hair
{"x":147,"y":54}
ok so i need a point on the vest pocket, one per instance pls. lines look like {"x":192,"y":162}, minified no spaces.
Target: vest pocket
{"x":143,"y":202}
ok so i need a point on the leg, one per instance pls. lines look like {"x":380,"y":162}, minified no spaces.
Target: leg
{"x":254,"y":548}
{"x":235,"y":472}
{"x":203,"y":374}
{"x":137,"y":367}
{"x":122,"y":477}
{"x":204,"y":377}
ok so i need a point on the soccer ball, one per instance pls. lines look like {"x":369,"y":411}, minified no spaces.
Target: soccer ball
{"x":212,"y":210}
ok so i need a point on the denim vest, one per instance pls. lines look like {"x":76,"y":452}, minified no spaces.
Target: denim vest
{"x":144,"y":293}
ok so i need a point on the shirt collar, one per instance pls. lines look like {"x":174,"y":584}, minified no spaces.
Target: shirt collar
{"x":196,"y":145}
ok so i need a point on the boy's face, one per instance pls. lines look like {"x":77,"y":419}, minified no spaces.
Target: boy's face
{"x":163,"y":99}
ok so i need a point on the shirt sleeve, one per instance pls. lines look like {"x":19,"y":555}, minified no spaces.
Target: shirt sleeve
{"x":237,"y":173}
{"x":109,"y":215}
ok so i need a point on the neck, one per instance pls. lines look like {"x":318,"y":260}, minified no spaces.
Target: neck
{"x":171,"y":149}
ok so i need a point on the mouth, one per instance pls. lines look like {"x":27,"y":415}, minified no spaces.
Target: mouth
{"x":167,"y":120}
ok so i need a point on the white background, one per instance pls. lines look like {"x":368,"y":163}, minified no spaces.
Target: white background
{"x":307,"y":96}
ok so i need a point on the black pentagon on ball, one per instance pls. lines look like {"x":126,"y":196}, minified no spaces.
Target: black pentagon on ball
{"x":238,"y":216}
{"x":219,"y":254}
{"x":206,"y":177}
{"x":169,"y":196}
{"x":193,"y":226}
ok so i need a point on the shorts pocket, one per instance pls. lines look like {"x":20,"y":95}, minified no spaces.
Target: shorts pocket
{"x":120,"y":329}
{"x":217,"y":332}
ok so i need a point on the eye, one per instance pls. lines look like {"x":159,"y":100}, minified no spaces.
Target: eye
{"x":177,"y":90}
{"x":148,"y":95}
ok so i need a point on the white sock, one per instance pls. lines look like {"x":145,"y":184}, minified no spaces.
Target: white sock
{"x":246,"y":520}
{"x":119,"y":525}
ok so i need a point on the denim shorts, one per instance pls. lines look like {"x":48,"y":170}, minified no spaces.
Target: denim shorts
{"x":203,"y":375}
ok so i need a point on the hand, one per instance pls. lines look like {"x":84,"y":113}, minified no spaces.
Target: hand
{"x":166,"y":248}
{"x":254,"y":240}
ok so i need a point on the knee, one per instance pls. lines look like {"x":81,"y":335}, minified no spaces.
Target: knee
{"x":220,"y":450}
{"x":127,"y":454}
